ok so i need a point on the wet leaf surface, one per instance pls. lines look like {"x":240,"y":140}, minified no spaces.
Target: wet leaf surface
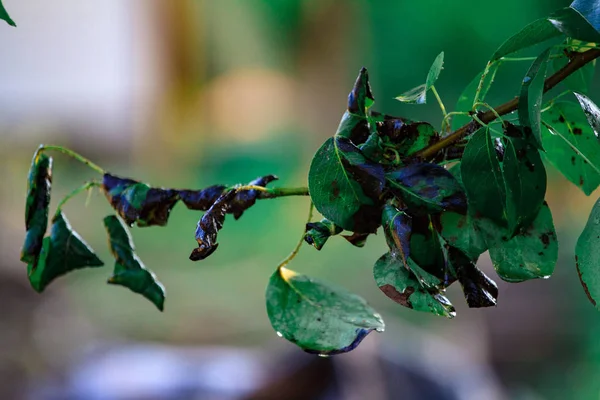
{"x":39,"y":185}
{"x":136,"y":202}
{"x":129,"y":271}
{"x":418,"y":95}
{"x":587,"y":256}
{"x":397,"y":228}
{"x":572,"y":146}
{"x":591,"y":111}
{"x":590,"y":10}
{"x":209,"y":226}
{"x":574,"y":25}
{"x":402,"y":286}
{"x":530,"y":254}
{"x":317,"y":233}
{"x":345,"y":187}
{"x":62,"y":252}
{"x":478,"y":288}
{"x":530,"y":100}
{"x":427,"y":253}
{"x":4,"y":15}
{"x":427,"y":188}
{"x":316,"y":316}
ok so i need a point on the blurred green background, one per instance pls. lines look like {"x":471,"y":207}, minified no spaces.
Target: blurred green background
{"x":193,"y":93}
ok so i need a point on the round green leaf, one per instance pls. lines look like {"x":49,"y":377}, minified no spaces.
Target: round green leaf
{"x":316,"y":316}
{"x":587,"y":256}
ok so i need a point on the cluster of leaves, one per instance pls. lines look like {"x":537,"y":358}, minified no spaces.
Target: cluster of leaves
{"x":135,"y":203}
{"x":482,"y":189}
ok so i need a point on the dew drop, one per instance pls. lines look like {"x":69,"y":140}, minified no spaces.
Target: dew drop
{"x":324,"y":355}
{"x":546,"y":277}
{"x":380,"y":329}
{"x":279,"y":334}
{"x":526,"y":79}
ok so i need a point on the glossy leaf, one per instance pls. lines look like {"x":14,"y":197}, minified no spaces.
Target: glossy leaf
{"x":532,"y":91}
{"x":591,"y":111}
{"x":427,"y":188}
{"x":536,"y":32}
{"x":137,"y":202}
{"x":397,"y":228}
{"x":345,"y":186}
{"x":528,"y":255}
{"x":574,"y":25}
{"x":316,"y":316}
{"x":590,"y":10}
{"x":317,"y":233}
{"x":201,"y":199}
{"x":426,"y":252}
{"x":401,"y":285}
{"x":354,"y":124}
{"x":587,"y":256}
{"x":525,"y":178}
{"x":4,"y":15}
{"x":482,"y":177}
{"x":572,"y":146}
{"x":62,"y":252}
{"x":418,"y":95}
{"x":209,"y":226}
{"x":129,"y":271}
{"x":460,"y":232}
{"x":466,"y":98}
{"x":39,"y":185}
{"x":478,"y":288}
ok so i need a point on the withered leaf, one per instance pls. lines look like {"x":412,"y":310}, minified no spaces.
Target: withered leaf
{"x":209,"y":226}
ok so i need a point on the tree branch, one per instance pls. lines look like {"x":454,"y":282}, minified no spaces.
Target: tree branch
{"x":577,"y":61}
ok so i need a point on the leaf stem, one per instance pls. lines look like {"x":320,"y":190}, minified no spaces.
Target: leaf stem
{"x":439,"y":100}
{"x":294,"y":252}
{"x":578,"y":61}
{"x":82,"y":188}
{"x":448,"y":118}
{"x":271,"y":193}
{"x":74,"y":155}
{"x":490,"y":108}
{"x":481,"y":81}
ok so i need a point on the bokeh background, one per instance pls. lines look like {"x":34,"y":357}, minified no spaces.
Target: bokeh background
{"x":193,"y":93}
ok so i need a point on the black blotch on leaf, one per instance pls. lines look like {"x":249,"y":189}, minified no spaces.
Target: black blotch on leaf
{"x":209,"y":226}
{"x":479,"y":290}
{"x":317,"y":233}
{"x":246,"y":198}
{"x":201,"y":199}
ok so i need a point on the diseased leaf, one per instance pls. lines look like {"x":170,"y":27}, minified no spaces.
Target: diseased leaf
{"x":579,"y":80}
{"x":357,"y":239}
{"x":467,"y":97}
{"x":401,"y":285}
{"x":317,"y":233}
{"x":536,"y":32}
{"x":62,"y":252}
{"x":591,"y":111}
{"x":418,"y":95}
{"x":397,"y":228}
{"x":460,"y":232}
{"x":479,"y":290}
{"x":532,"y":91}
{"x":426,"y":252}
{"x":572,"y":146}
{"x":246,"y":198}
{"x":39,"y":185}
{"x":587,"y":256}
{"x":129,"y":270}
{"x":137,"y":202}
{"x":427,"y":188}
{"x":482,"y":177}
{"x":530,"y":254}
{"x":354,"y":124}
{"x":201,"y":199}
{"x":525,"y":177}
{"x":317,"y":317}
{"x":345,"y":187}
{"x":209,"y":226}
{"x":4,"y":15}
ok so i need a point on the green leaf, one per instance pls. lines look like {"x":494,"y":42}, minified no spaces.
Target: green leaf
{"x":209,"y":226}
{"x":479,"y":290}
{"x":587,"y":256}
{"x":401,"y":285}
{"x":467,"y":97}
{"x":525,"y":178}
{"x":590,"y":10}
{"x":536,"y":32}
{"x":591,"y":111}
{"x":4,"y":15}
{"x":129,"y":270}
{"x":418,"y":95}
{"x":39,"y":185}
{"x":579,"y":80}
{"x":530,"y":101}
{"x":427,"y":188}
{"x":137,"y":202}
{"x":318,"y":317}
{"x":572,"y":146}
{"x":427,"y":254}
{"x":345,"y":186}
{"x":62,"y":252}
{"x":317,"y":233}
{"x":460,"y":232}
{"x":528,"y":255}
{"x":573,"y":24}
{"x":482,"y":177}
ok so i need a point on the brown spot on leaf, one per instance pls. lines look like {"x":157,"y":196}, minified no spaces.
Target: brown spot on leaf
{"x":545,"y":240}
{"x":577,"y":131}
{"x":581,"y":181}
{"x":561,"y":119}
{"x":335,"y":189}
{"x":585,"y":288}
{"x":573,"y":159}
{"x":400,"y":298}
